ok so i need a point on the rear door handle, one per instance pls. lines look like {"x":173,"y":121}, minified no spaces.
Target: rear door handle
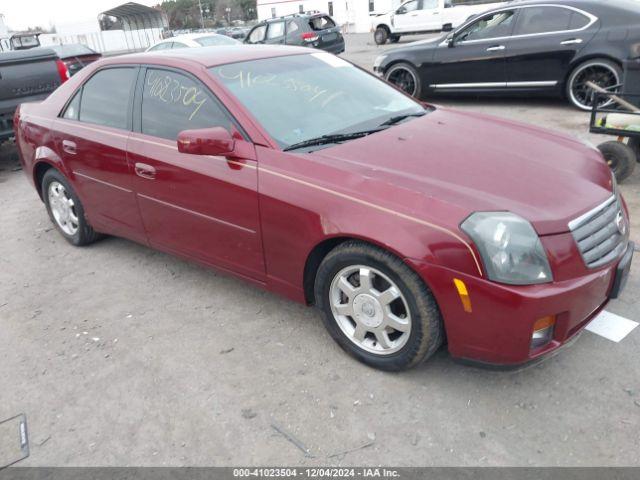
{"x":496,"y":48}
{"x":69,"y":147}
{"x":573,"y":41}
{"x":145,"y":171}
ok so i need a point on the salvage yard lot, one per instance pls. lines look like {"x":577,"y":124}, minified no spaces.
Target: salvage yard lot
{"x":121,"y":355}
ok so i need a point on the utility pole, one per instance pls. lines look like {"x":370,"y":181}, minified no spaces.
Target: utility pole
{"x":201,"y":14}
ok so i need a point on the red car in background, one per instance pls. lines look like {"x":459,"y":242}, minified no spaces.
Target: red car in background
{"x":405,"y":224}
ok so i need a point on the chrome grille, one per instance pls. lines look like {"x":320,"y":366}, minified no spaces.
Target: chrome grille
{"x":600,"y":236}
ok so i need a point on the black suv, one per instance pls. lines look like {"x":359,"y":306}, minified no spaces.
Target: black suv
{"x":316,"y":30}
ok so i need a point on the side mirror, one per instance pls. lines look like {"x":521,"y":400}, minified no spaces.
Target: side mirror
{"x":451,"y":40}
{"x":447,"y":27}
{"x":216,"y":141}
{"x":401,"y":11}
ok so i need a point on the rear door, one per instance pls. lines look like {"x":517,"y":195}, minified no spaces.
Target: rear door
{"x":475,"y":60}
{"x":275,"y":33}
{"x":199,"y":206}
{"x":91,"y":136}
{"x":429,"y":16}
{"x":545,"y":41}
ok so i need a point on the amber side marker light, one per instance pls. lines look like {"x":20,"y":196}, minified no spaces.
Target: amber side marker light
{"x":543,"y":331}
{"x":464,"y":294}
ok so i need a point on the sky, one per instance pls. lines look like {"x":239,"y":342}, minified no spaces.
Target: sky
{"x":21,"y":14}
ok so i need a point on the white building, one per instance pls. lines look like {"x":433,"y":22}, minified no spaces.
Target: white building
{"x":353,"y":15}
{"x":4,"y":31}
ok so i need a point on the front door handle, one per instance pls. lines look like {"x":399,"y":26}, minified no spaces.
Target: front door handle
{"x":573,"y":41}
{"x":145,"y":171}
{"x":496,"y":48}
{"x":69,"y":147}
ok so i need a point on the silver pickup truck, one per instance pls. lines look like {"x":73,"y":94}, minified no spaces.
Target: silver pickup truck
{"x":26,"y":76}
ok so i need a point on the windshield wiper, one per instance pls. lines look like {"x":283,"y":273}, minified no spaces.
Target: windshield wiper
{"x":334,"y":138}
{"x":399,"y":118}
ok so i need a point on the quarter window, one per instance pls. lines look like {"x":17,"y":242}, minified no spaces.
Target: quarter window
{"x":543,"y":20}
{"x":492,"y":26}
{"x":172,"y":102}
{"x":106,"y":97}
{"x":292,"y":26}
{"x":73,"y":108}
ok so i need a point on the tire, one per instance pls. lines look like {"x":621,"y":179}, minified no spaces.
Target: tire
{"x":394,"y":38}
{"x":381,"y":35}
{"x":365,"y":309}
{"x":65,"y":209}
{"x":404,"y":76}
{"x":620,"y":158}
{"x":599,"y":70}
{"x":634,"y":144}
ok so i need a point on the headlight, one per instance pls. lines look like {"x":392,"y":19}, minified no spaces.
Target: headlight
{"x":510,"y":248}
{"x":379,"y":60}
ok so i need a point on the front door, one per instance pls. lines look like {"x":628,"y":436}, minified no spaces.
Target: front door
{"x":544,"y":43}
{"x":198,"y":206}
{"x":475,"y":59}
{"x":92,"y":137}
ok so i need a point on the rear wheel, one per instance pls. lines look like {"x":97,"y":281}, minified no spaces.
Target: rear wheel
{"x":634,"y":144}
{"x":603,"y":73}
{"x":620,"y":158}
{"x":406,"y":78}
{"x":377,"y":308}
{"x":65,"y":209}
{"x":381,"y":35}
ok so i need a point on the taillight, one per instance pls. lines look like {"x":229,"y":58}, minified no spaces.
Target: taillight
{"x":310,"y":37}
{"x":63,"y":71}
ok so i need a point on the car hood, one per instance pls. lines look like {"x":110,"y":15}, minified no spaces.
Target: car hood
{"x":475,"y":162}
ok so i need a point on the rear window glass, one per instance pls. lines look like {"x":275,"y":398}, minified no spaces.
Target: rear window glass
{"x":321,"y":23}
{"x":106,"y":97}
{"x":216,"y":40}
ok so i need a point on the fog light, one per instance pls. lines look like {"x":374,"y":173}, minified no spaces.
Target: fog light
{"x":542,"y":331}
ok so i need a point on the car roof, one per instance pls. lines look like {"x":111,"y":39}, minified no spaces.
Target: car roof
{"x":212,"y":56}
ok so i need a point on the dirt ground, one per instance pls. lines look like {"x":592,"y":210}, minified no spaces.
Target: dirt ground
{"x":120,"y":356}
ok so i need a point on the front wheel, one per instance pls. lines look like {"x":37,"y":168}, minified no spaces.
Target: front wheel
{"x":65,"y":210}
{"x":620,"y":158}
{"x":381,"y":36}
{"x":406,"y":78}
{"x":376,"y":308}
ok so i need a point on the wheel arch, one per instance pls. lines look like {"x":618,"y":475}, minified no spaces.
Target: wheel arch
{"x":385,"y":26}
{"x":39,"y":169}
{"x":324,"y":247}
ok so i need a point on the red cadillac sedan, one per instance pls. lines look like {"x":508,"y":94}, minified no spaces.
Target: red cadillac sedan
{"x":408,"y":225}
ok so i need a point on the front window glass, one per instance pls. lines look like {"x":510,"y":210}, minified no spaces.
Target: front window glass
{"x":257,"y":34}
{"x":300,"y":97}
{"x":492,"y":26}
{"x":161,"y":46}
{"x":172,"y":102}
{"x":429,"y":4}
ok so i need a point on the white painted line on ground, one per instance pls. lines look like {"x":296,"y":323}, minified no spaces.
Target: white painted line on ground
{"x":611,"y":326}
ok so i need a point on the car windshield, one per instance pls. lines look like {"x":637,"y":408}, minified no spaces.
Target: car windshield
{"x":301,"y":97}
{"x":216,"y":40}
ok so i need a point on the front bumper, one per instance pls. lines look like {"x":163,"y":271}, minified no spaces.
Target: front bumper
{"x":499,"y":327}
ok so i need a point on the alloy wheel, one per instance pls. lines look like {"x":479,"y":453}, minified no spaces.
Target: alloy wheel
{"x":62,"y":208}
{"x":599,"y":73}
{"x":370,"y":309}
{"x":404,"y":79}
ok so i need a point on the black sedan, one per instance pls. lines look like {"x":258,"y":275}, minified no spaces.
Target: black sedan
{"x":553,"y":47}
